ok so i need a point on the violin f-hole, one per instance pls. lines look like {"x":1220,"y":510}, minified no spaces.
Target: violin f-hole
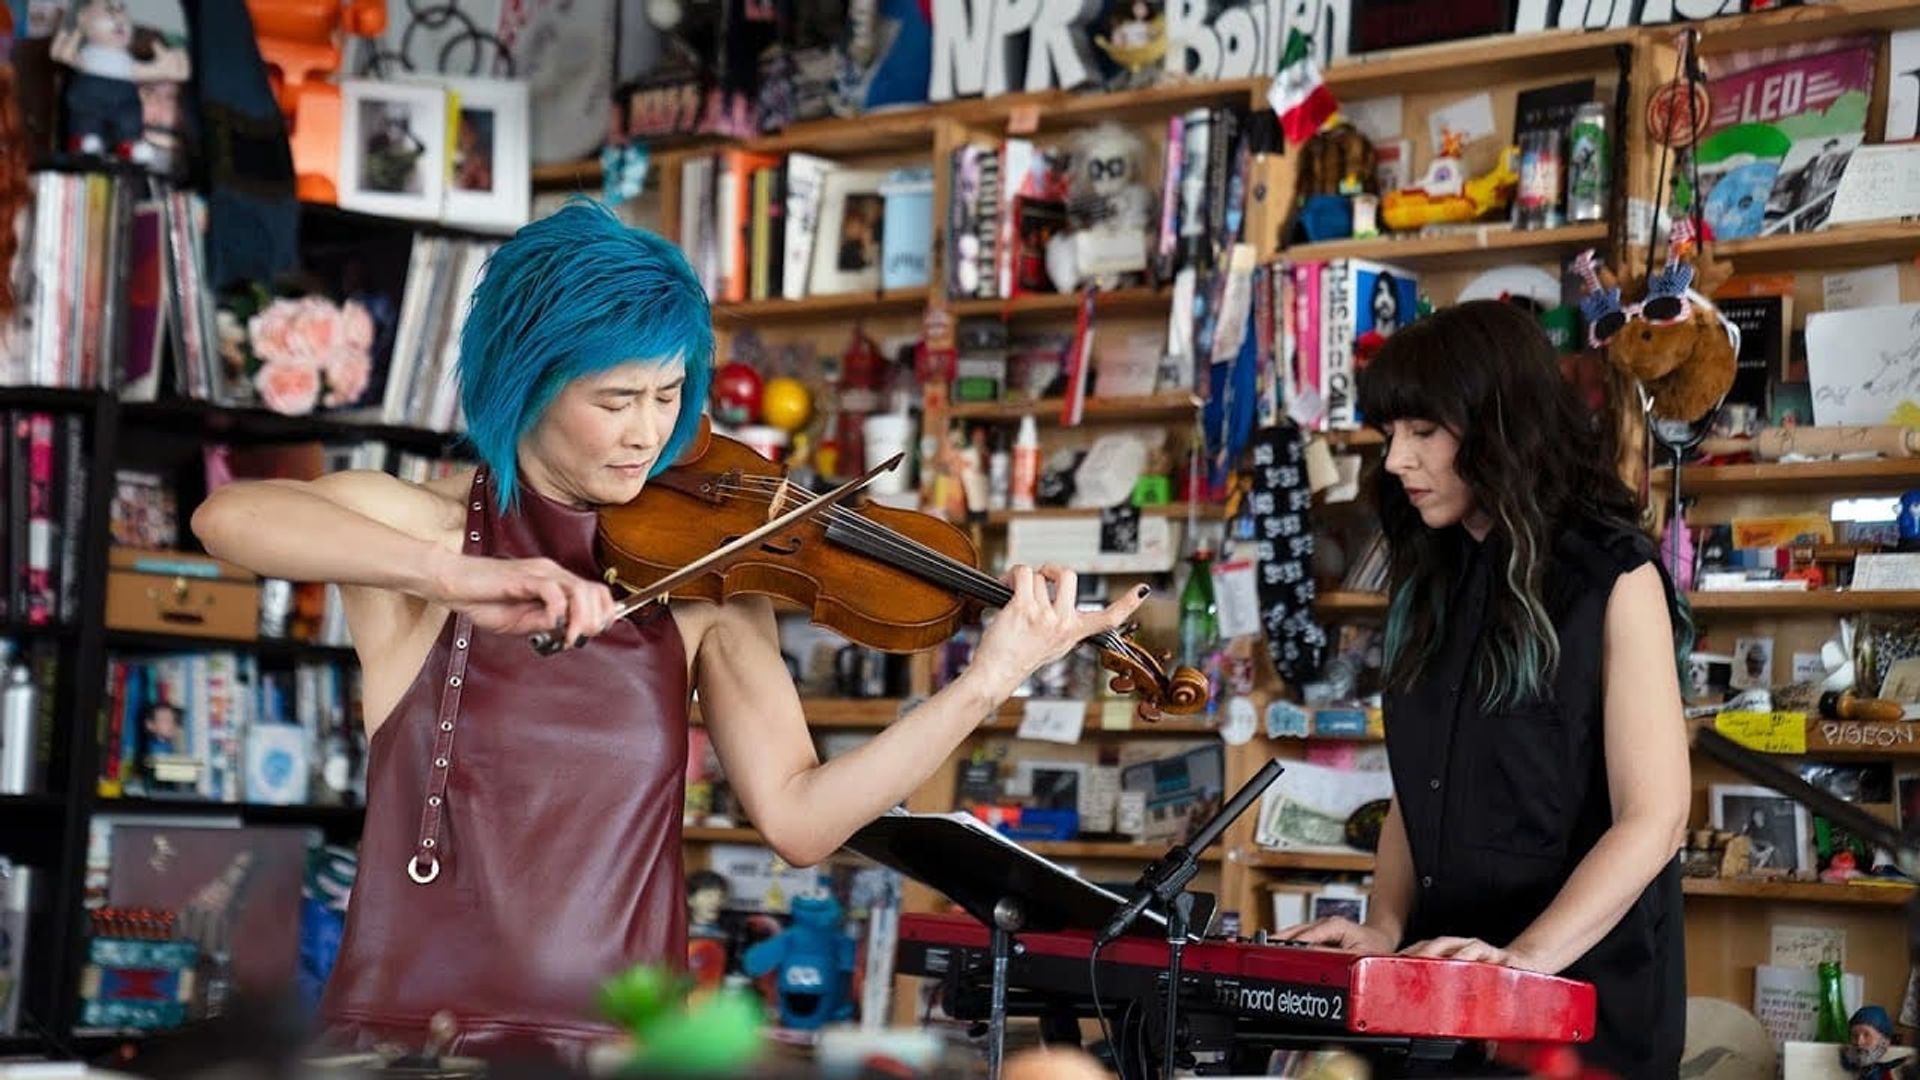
{"x":781,"y":546}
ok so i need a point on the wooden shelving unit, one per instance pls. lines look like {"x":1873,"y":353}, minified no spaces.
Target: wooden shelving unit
{"x":836,"y":306}
{"x":1107,"y":849}
{"x":708,"y":834}
{"x":1158,"y":408}
{"x":1795,"y":477}
{"x":1463,"y":246}
{"x":1205,"y":511}
{"x":1807,"y":892}
{"x":1762,"y":29}
{"x":1475,"y":63}
{"x":1351,"y":603}
{"x":1358,"y":862}
{"x":1811,"y":602}
{"x":265,"y":648}
{"x":1852,"y":738}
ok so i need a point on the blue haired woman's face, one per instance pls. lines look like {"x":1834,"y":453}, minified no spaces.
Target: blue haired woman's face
{"x":597,"y":442}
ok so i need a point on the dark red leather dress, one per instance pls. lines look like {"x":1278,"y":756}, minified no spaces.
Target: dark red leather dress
{"x":522,"y":837}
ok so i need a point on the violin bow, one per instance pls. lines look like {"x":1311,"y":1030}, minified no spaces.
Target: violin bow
{"x":548,"y":643}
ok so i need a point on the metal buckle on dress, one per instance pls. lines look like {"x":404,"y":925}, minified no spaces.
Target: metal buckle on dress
{"x":423,"y":877}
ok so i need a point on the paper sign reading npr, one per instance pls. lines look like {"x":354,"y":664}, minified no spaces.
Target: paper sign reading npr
{"x":1767,"y":732}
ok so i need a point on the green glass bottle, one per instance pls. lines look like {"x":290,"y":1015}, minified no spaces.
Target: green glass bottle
{"x":1832,"y":1026}
{"x":1198,"y":626}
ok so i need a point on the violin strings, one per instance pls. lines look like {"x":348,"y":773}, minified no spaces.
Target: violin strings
{"x":890,"y":543}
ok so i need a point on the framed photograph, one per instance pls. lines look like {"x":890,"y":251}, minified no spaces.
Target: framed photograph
{"x":487,"y":178}
{"x":1292,"y":904}
{"x":847,"y":251}
{"x":1339,"y":901}
{"x":1051,"y":785}
{"x":393,"y":148}
{"x":1780,"y":830}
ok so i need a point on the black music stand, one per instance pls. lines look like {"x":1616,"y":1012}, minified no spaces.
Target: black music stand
{"x":1005,"y":886}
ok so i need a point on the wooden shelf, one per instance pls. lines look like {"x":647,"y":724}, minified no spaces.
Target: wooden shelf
{"x":1205,"y":512}
{"x":1358,"y":603}
{"x":1488,"y":244}
{"x":1474,"y":63}
{"x":841,"y":713}
{"x":17,"y":630}
{"x":1056,"y":110}
{"x":708,"y":834}
{"x":333,"y":819}
{"x":1007,"y":721}
{"x":567,"y":175}
{"x":872,"y":133}
{"x":1842,"y":245}
{"x":1355,"y":438}
{"x":1105,"y":849}
{"x":901,"y":302}
{"x":1157,"y":408}
{"x":1357,"y":862}
{"x":131,"y":641}
{"x":1820,"y":477}
{"x":1851,"y":738}
{"x":263,"y":425}
{"x":1810,"y":892}
{"x":1811,"y":602}
{"x":1138,"y":301}
{"x":1797,"y":24}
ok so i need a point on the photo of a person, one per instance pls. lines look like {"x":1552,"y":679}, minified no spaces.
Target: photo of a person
{"x":860,"y":232}
{"x":1773,"y":824}
{"x":392,"y":151}
{"x":473,"y":151}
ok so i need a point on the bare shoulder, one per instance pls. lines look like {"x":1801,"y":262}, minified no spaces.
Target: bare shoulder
{"x":433,"y":511}
{"x":1638,"y":602}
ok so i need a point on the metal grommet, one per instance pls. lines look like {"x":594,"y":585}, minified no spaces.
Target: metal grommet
{"x":419,"y":876}
{"x":459,"y":643}
{"x":428,"y":842}
{"x":433,"y":800}
{"x":446,"y":725}
{"x":474,"y":536}
{"x":453,"y":680}
{"x":476,"y":506}
{"x":439,"y":763}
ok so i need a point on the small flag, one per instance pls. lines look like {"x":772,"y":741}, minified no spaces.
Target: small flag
{"x":1298,"y":94}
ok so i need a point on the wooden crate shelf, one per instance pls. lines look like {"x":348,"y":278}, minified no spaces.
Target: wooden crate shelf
{"x":1059,"y":110}
{"x":1810,"y":892}
{"x":1485,"y":245}
{"x":1157,"y":408}
{"x":1842,"y":245}
{"x":1792,"y":477}
{"x":709,"y":834}
{"x":1135,"y":301}
{"x":1474,"y":63}
{"x":1810,"y":602}
{"x":1340,"y":601}
{"x":1357,"y":862}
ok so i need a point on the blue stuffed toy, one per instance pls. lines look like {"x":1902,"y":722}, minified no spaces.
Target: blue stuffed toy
{"x":815,"y":960}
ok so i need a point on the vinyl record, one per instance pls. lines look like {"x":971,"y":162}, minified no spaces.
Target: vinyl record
{"x":1737,"y":205}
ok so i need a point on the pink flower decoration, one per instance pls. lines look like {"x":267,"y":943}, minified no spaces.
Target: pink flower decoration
{"x":347,"y":373}
{"x":290,"y":388}
{"x":317,"y":331}
{"x":270,"y":332}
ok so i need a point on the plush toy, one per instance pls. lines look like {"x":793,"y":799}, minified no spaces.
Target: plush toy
{"x":1109,"y":209}
{"x":104,"y":112}
{"x":1672,"y":339}
{"x":814,"y":959}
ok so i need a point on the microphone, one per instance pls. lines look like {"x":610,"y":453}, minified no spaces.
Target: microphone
{"x":1168,"y":876}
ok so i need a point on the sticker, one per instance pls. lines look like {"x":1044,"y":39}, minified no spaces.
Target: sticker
{"x":1285,"y":720}
{"x":1242,"y":721}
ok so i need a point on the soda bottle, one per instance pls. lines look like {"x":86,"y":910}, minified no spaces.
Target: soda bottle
{"x":1832,"y":1027}
{"x":1589,"y":164}
{"x":1197,"y":624}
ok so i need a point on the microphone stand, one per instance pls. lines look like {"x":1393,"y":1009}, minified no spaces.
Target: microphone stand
{"x":1166,"y":880}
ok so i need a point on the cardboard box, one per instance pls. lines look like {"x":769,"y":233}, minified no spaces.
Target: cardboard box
{"x":173,"y":592}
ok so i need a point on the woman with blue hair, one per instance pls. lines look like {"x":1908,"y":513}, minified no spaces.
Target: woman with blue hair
{"x":522,"y":839}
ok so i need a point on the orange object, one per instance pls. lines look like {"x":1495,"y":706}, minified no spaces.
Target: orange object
{"x":889,"y":579}
{"x":301,"y":42}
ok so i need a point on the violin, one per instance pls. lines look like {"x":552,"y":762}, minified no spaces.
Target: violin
{"x":890,"y":579}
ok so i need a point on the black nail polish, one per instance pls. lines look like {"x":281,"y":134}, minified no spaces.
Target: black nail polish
{"x":1143,"y":591}
{"x":580,"y":642}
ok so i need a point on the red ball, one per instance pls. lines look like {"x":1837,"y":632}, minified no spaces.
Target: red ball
{"x":736,"y":394}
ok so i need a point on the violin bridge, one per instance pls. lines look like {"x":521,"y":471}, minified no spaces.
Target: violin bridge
{"x":779,"y":498}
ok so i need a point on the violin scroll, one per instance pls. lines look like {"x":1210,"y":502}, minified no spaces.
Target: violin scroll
{"x":1138,"y":673}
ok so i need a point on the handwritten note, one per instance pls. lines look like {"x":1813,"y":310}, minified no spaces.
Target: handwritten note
{"x":1767,"y":732}
{"x":1047,"y":720}
{"x":1809,"y":946}
{"x":1872,"y":286}
{"x":1236,"y":597}
{"x":1116,"y":715}
{"x":1881,"y":183}
{"x":1808,"y":667}
{"x":1865,"y":364}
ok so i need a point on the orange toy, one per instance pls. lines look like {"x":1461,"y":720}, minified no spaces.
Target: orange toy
{"x":301,"y":42}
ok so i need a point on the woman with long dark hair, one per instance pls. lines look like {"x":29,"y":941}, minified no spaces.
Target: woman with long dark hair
{"x":1533,"y":711}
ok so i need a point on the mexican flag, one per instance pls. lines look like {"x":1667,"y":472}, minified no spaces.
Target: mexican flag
{"x":1297,"y":93}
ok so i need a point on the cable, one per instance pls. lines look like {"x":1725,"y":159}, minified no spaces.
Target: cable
{"x":1093,"y":982}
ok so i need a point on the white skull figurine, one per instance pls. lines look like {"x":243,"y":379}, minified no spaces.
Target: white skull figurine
{"x":1109,"y":207}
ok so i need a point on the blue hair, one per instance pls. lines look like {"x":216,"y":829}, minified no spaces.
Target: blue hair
{"x":570,"y":295}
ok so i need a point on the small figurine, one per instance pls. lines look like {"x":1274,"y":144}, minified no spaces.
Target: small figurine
{"x":104,"y":111}
{"x":1872,"y":1032}
{"x":1109,"y":208}
{"x":814,"y":960}
{"x":1136,"y":39}
{"x":706,"y":938}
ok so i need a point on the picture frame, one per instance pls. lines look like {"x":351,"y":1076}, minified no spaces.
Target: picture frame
{"x":393,"y":148}
{"x":489,"y":144}
{"x":1338,"y":901}
{"x":847,"y":248}
{"x":1780,"y":829}
{"x":1054,"y":785}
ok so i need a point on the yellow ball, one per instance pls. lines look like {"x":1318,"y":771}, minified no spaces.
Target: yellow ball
{"x":786,"y":403}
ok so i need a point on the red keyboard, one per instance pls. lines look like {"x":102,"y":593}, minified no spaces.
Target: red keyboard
{"x":1286,"y":991}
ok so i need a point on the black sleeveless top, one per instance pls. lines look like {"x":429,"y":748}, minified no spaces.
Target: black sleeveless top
{"x":1500,"y":806}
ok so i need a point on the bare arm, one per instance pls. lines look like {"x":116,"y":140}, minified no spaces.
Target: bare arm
{"x":1647,"y":777}
{"x":806,"y":809}
{"x":1389,"y":905}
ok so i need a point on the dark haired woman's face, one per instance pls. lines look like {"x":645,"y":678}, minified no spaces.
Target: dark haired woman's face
{"x":1420,"y":454}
